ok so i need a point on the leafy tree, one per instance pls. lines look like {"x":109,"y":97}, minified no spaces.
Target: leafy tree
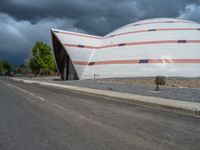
{"x":41,"y":60}
{"x":5,"y":66}
{"x":21,"y":69}
{"x":1,"y":67}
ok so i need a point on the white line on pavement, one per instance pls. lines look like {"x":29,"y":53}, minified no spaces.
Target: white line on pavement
{"x":41,"y":98}
{"x":34,"y":95}
{"x":60,"y":107}
{"x":18,"y":88}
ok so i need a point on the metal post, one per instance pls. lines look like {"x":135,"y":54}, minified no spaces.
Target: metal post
{"x":157,"y":87}
{"x":65,"y":69}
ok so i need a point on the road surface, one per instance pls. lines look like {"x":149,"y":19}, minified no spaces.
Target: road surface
{"x":43,"y":118}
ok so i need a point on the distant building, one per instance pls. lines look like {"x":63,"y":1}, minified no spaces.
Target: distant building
{"x":161,"y":46}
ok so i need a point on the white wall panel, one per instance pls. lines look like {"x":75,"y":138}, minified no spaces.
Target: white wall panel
{"x":187,"y":52}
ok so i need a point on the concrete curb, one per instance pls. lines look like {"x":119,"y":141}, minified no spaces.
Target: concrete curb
{"x":178,"y":106}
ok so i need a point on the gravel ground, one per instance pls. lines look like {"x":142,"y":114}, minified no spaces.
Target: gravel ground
{"x":177,"y":92}
{"x":170,"y":81}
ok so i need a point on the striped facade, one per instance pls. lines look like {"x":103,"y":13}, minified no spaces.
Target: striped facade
{"x":161,"y":46}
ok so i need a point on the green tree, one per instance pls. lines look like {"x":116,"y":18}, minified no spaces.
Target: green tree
{"x":41,"y":60}
{"x":1,"y":66}
{"x":22,"y":69}
{"x":5,"y":66}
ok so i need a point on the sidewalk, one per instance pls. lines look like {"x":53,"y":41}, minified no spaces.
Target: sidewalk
{"x":176,"y":93}
{"x":179,"y":106}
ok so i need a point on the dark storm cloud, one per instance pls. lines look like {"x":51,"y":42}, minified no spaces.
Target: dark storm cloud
{"x":89,"y":14}
{"x":23,"y":22}
{"x":99,"y":16}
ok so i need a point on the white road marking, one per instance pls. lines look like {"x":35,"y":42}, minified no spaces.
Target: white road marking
{"x":41,"y":98}
{"x":38,"y":97}
{"x":32,"y":94}
{"x":10,"y":84}
{"x":60,"y":107}
{"x":18,"y":88}
{"x":23,"y":90}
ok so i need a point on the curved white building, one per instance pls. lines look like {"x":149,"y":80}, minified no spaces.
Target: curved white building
{"x":161,"y":46}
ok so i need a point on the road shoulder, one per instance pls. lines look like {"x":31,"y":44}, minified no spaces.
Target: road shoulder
{"x":178,"y":106}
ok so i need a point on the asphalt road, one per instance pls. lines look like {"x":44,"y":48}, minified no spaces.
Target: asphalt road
{"x":42,"y":118}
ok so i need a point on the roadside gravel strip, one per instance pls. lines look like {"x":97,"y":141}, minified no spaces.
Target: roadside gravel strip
{"x":184,"y":107}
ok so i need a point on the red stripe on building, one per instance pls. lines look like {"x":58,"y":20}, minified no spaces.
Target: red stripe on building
{"x":134,"y":44}
{"x":117,"y":62}
{"x":150,"y":61}
{"x":132,"y":32}
{"x":155,"y":22}
{"x":193,"y":41}
{"x":84,"y":63}
{"x":81,"y":35}
{"x":164,"y":29}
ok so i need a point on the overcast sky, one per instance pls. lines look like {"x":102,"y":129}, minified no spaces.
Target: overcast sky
{"x":23,"y":22}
